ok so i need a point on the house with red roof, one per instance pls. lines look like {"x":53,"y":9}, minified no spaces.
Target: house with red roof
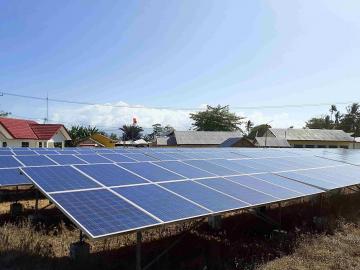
{"x":27,"y":133}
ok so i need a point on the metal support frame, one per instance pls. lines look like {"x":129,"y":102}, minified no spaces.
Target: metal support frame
{"x":173,"y":244}
{"x":81,"y":237}
{"x":138,"y":250}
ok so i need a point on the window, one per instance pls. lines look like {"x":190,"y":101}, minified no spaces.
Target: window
{"x":40,"y":144}
{"x":309,"y":146}
{"x":4,"y":144}
{"x":25,"y":144}
{"x":298,"y":146}
{"x":58,"y":145}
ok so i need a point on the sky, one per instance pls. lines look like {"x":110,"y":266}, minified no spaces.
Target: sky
{"x":178,"y":54}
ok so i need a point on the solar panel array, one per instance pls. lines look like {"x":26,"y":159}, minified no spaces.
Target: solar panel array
{"x":111,"y":191}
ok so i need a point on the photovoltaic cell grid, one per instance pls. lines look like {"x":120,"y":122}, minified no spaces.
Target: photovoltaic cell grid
{"x":168,"y":191}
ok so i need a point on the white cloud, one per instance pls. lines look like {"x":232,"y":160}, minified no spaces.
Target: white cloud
{"x":110,"y":117}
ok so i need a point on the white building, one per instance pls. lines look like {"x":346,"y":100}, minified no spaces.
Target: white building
{"x":26,"y":133}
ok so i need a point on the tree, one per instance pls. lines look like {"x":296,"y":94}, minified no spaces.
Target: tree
{"x":4,"y":114}
{"x":332,"y":110}
{"x":249,"y":126}
{"x":216,"y":119}
{"x":258,"y":131}
{"x":350,"y":121}
{"x":113,"y":136}
{"x":131,"y":132}
{"x":322,"y":122}
{"x":77,"y":133}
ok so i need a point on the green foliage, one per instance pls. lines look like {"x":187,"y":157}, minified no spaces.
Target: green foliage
{"x":4,"y":114}
{"x":158,"y":131}
{"x":258,"y":131}
{"x":113,"y":136}
{"x":249,"y":125}
{"x":216,"y":119}
{"x":348,"y":122}
{"x":78,"y":133}
{"x":131,"y":132}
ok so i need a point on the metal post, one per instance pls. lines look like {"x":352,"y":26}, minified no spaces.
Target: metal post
{"x":81,"y":237}
{"x":138,"y":250}
{"x":36,"y":202}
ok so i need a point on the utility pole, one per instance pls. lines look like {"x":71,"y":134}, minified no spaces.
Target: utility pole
{"x":47,"y":108}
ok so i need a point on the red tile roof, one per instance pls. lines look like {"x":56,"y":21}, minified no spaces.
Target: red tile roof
{"x":45,"y":131}
{"x":27,"y":129}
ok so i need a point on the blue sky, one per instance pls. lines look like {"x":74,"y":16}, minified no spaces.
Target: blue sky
{"x":179,"y":54}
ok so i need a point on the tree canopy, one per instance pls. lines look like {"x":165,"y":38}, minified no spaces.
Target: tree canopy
{"x":4,"y":114}
{"x":158,"y":131}
{"x":348,"y":121}
{"x":258,"y":131}
{"x":217,"y":118}
{"x":131,"y":132}
{"x":77,"y":133}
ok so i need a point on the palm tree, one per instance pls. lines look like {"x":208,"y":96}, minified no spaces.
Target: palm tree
{"x":131,"y":132}
{"x":337,"y":118}
{"x":332,"y":110}
{"x":249,"y":126}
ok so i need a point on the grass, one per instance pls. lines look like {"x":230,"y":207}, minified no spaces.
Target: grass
{"x":330,"y":241}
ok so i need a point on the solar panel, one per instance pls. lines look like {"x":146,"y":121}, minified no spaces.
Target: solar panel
{"x":267,"y":188}
{"x":235,"y":165}
{"x":58,"y":178}
{"x":66,"y":159}
{"x":111,"y":175}
{"x":8,"y":162}
{"x":38,"y":160}
{"x":94,"y":158}
{"x":245,"y":194}
{"x":151,"y":172}
{"x":24,"y":152}
{"x":117,"y":158}
{"x":6,"y":153}
{"x":184,"y":169}
{"x":205,"y":196}
{"x":102,"y":213}
{"x":211,"y":167}
{"x":12,"y":177}
{"x":285,"y":182}
{"x":161,"y":203}
{"x":139,"y":157}
{"x":313,"y":181}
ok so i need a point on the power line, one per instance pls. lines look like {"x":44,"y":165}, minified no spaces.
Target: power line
{"x":175,"y":108}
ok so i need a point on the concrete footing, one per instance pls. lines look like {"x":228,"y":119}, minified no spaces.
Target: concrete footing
{"x":79,"y":250}
{"x":214,"y":222}
{"x":16,"y":209}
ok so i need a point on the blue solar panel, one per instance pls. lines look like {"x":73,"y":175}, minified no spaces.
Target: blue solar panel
{"x":59,"y":178}
{"x":139,"y":157}
{"x":6,"y":153}
{"x":8,"y":162}
{"x":162,"y":156}
{"x":12,"y":177}
{"x":66,"y":159}
{"x":111,"y":175}
{"x":68,"y":152}
{"x":287,"y":183}
{"x":202,"y":195}
{"x":38,"y":160}
{"x":245,"y":194}
{"x":94,"y":158}
{"x":118,"y":158}
{"x":161,"y":203}
{"x":24,"y":152}
{"x":47,"y":152}
{"x":151,"y":171}
{"x":309,"y":180}
{"x":235,"y":165}
{"x":184,"y":169}
{"x":265,"y":187}
{"x":101,"y":212}
{"x":211,"y":167}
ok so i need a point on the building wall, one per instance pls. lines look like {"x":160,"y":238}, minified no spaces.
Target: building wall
{"x":319,"y":144}
{"x":18,"y":143}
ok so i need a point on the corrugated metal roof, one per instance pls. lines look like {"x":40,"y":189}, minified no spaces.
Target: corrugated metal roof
{"x":271,"y":142}
{"x":311,"y":134}
{"x":230,"y":142}
{"x":204,"y":137}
